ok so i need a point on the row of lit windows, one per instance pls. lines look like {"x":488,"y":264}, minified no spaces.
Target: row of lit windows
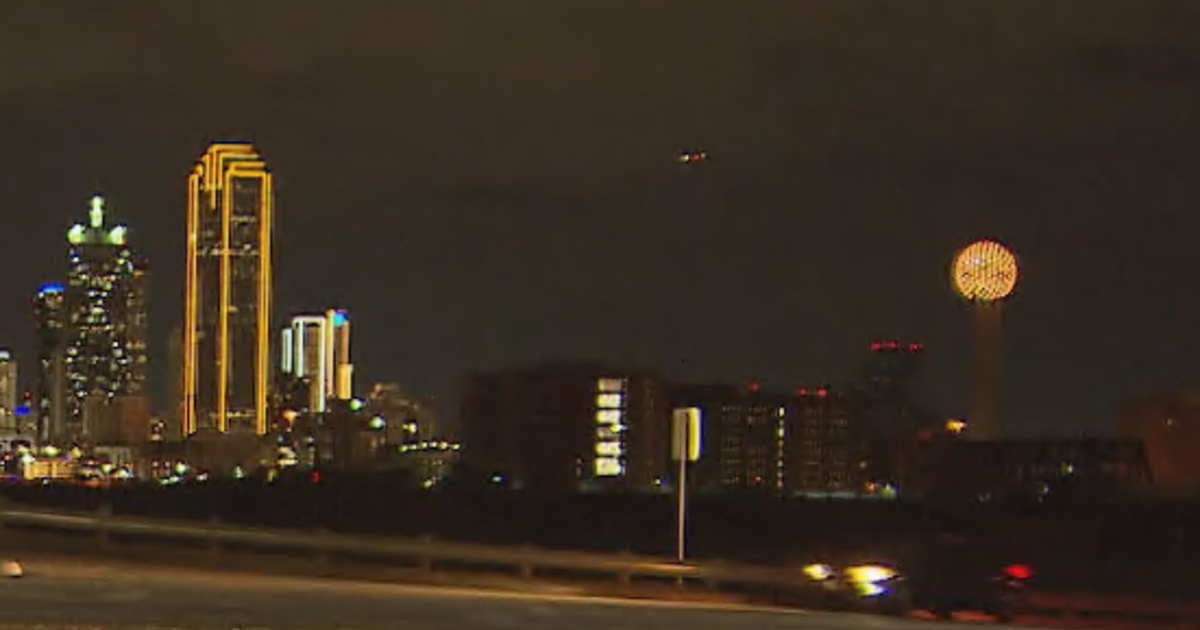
{"x":610,"y":415}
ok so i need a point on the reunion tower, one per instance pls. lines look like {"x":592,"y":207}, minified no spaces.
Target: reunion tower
{"x":985,"y":273}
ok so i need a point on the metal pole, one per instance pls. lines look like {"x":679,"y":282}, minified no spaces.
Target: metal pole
{"x":681,"y":535}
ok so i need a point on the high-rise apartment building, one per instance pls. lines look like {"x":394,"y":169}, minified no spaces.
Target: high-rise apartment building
{"x":893,"y":423}
{"x":892,"y":369}
{"x":824,"y":451}
{"x":567,"y":426}
{"x":8,"y":394}
{"x":105,"y":330}
{"x":316,"y":348}
{"x":226,"y":332}
{"x":50,"y":320}
{"x":742,"y":436}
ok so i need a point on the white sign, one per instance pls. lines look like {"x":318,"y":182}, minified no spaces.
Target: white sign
{"x":685,"y":434}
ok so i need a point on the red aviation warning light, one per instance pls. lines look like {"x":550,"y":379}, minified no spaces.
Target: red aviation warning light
{"x":1019,"y":571}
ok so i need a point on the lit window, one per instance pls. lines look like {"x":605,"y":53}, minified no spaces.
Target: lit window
{"x":610,"y":385}
{"x":608,"y":416}
{"x":608,"y":467}
{"x":608,"y":449}
{"x":608,"y":401}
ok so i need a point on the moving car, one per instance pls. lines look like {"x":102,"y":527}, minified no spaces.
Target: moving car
{"x":875,"y":587}
{"x":942,"y":578}
{"x":966,"y":576}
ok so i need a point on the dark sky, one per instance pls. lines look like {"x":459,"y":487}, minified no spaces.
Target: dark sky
{"x":488,"y":183}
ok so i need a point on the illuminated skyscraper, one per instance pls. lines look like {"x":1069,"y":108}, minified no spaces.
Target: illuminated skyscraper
{"x":226,"y":331}
{"x":8,"y":393}
{"x":105,"y":317}
{"x":303,"y":348}
{"x":49,"y":313}
{"x":316,"y":348}
{"x":340,"y":375}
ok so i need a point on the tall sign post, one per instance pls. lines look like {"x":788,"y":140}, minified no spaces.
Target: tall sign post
{"x":685,"y":448}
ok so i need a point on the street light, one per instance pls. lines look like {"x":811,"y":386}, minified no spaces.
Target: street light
{"x":985,"y":273}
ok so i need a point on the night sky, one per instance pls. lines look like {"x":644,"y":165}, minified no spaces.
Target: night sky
{"x":485,"y":184}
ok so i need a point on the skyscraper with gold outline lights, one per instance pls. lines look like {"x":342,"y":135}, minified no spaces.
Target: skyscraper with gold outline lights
{"x":227,"y":301}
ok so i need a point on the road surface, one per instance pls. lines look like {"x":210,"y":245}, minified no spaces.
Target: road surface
{"x":59,"y":595}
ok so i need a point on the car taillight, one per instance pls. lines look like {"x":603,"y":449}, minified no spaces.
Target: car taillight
{"x":1018,"y":571}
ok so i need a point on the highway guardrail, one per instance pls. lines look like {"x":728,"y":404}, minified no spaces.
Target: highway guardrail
{"x":426,"y":553}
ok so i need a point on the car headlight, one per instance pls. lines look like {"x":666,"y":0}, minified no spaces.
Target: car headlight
{"x":819,"y":572}
{"x":869,"y":574}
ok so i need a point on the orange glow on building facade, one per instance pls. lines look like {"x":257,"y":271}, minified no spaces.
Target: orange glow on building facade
{"x":226,"y":331}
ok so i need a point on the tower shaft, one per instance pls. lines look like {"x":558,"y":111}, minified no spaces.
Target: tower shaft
{"x":986,"y":422}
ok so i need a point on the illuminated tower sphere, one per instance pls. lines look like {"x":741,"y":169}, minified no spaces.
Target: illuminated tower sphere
{"x":984,"y":273}
{"x":226,"y":332}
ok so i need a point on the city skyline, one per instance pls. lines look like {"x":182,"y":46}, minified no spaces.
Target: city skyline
{"x":500,"y":205}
